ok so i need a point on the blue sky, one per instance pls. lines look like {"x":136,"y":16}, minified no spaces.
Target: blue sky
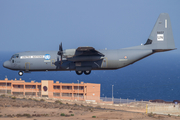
{"x":41,"y":25}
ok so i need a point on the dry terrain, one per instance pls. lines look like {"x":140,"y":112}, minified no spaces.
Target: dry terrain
{"x":12,"y":108}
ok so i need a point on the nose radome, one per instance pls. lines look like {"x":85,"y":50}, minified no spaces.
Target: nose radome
{"x":6,"y":64}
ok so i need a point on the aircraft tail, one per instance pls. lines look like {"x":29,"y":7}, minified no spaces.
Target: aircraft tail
{"x":161,"y":37}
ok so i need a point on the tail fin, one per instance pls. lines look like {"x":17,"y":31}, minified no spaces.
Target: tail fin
{"x":161,"y":37}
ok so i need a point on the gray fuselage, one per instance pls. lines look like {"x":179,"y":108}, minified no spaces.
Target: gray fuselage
{"x":113,"y":59}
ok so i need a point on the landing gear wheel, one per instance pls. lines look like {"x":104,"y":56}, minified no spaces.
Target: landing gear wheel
{"x":20,"y":73}
{"x":87,"y":72}
{"x":79,"y":72}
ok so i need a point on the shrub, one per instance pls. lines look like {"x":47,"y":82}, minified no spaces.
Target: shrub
{"x":93,"y":116}
{"x":98,"y":106}
{"x":3,"y":95}
{"x":13,"y":97}
{"x":169,"y":115}
{"x":151,"y":114}
{"x":27,"y":115}
{"x":42,"y":100}
{"x":58,"y":101}
{"x":72,"y":114}
{"x":62,"y":114}
{"x":18,"y":115}
{"x":35,"y":100}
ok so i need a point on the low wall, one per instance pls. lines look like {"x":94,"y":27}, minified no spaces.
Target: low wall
{"x":165,"y":109}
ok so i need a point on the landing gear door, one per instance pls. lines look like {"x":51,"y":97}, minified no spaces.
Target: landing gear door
{"x":27,"y":66}
{"x":104,"y":63}
{"x":52,"y":62}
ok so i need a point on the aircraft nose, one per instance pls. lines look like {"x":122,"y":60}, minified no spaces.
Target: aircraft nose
{"x":6,"y":64}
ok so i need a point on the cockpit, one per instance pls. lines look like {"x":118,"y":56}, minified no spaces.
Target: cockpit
{"x":15,"y":56}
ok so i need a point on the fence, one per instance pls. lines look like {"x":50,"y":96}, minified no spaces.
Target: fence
{"x":117,"y":100}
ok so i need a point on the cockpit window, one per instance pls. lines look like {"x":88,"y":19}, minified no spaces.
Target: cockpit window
{"x":15,"y":56}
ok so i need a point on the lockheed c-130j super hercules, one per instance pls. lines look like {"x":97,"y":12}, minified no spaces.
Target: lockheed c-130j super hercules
{"x":85,"y":59}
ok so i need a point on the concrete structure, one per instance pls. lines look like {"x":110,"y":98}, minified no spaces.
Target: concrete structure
{"x":47,"y":88}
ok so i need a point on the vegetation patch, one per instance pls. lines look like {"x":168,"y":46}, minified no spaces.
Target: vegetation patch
{"x":58,"y":101}
{"x":36,"y":100}
{"x":93,"y":116}
{"x":13,"y":97}
{"x":3,"y":95}
{"x":151,"y":114}
{"x":42,"y":100}
{"x":62,"y":114}
{"x":98,"y":106}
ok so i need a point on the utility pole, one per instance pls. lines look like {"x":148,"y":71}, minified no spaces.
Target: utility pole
{"x":6,"y":85}
{"x":78,"y":90}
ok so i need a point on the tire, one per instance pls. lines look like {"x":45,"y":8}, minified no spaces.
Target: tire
{"x":20,"y":73}
{"x":87,"y":72}
{"x":79,"y":72}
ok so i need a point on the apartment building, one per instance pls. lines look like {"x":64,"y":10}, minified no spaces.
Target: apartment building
{"x":49,"y":88}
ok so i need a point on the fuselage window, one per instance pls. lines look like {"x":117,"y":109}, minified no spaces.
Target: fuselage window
{"x":12,"y":61}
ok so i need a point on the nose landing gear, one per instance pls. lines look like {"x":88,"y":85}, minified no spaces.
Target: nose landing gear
{"x":20,"y":73}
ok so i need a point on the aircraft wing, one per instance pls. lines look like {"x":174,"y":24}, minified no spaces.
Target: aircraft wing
{"x":86,"y":54}
{"x":87,"y":51}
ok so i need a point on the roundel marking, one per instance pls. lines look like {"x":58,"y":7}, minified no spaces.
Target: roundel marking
{"x":45,"y":88}
{"x":47,"y":57}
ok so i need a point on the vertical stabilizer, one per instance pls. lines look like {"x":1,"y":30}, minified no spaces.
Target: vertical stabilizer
{"x":161,"y":37}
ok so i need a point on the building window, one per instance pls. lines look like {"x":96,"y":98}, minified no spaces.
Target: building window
{"x":67,"y":94}
{"x":80,"y":95}
{"x":56,"y":87}
{"x":56,"y":94}
{"x":67,"y":87}
{"x":4,"y":84}
{"x":30,"y":86}
{"x":18,"y":86}
{"x":17,"y":93}
{"x":30,"y":93}
{"x":39,"y":87}
{"x":80,"y":87}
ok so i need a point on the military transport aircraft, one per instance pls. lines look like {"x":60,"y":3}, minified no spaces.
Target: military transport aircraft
{"x":85,"y":59}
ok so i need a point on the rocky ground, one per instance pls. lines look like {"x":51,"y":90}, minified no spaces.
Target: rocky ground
{"x":12,"y":108}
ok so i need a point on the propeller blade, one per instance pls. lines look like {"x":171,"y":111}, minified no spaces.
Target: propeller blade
{"x":60,"y":47}
{"x":60,"y":52}
{"x":61,"y":59}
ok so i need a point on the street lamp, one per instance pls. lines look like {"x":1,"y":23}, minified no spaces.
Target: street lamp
{"x":6,"y":85}
{"x":78,"y":90}
{"x":112,"y":94}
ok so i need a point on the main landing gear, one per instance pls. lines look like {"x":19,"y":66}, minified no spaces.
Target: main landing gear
{"x":87,"y":72}
{"x":20,"y":73}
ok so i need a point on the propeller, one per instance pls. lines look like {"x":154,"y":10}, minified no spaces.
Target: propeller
{"x":60,"y":52}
